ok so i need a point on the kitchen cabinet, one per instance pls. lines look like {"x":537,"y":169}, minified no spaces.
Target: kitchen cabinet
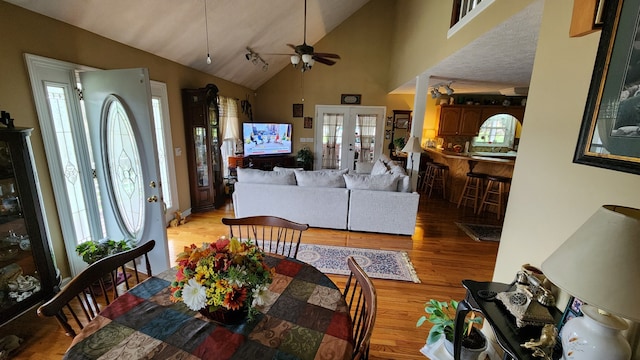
{"x":459,"y":120}
{"x":466,"y":120}
{"x":202,"y":131}
{"x":28,"y":274}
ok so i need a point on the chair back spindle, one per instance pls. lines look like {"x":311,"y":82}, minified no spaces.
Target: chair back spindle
{"x":360,"y":296}
{"x":271,"y":233}
{"x":96,"y":287}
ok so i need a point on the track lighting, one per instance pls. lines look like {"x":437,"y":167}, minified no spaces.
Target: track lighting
{"x":256,"y":59}
{"x":435,"y":90}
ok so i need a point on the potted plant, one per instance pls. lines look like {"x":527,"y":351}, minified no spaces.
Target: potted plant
{"x":305,"y":158}
{"x":399,"y":143}
{"x":94,"y":250}
{"x":442,"y":316}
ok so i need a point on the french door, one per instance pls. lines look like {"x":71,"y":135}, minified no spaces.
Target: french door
{"x":346,"y":135}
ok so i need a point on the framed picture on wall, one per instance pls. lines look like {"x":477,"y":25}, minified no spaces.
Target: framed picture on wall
{"x":298,"y":110}
{"x":610,"y":131}
{"x":308,"y":122}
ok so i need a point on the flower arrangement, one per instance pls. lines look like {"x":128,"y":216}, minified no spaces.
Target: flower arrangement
{"x":228,"y":274}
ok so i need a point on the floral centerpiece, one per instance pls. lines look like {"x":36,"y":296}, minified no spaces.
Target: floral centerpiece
{"x":228,"y":275}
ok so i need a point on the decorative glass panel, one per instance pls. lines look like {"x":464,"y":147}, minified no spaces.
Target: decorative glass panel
{"x":162,"y":155}
{"x":365,"y":137}
{"x":200,"y":143}
{"x":59,"y":112}
{"x":332,"y":140}
{"x":125,"y":169}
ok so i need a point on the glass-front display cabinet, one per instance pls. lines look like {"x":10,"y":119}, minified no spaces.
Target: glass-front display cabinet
{"x":28,"y":274}
{"x":202,"y":131}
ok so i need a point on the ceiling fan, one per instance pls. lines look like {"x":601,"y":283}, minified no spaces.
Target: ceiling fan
{"x":306,"y":52}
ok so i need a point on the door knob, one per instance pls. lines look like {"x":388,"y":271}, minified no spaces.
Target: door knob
{"x":152,"y":199}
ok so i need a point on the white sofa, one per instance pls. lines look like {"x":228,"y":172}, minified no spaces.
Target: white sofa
{"x":329,"y":199}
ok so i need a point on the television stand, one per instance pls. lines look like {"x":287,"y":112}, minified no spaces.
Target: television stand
{"x":268,"y":162}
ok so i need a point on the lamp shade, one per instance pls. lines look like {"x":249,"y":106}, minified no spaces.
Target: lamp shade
{"x":412,"y":146}
{"x":600,"y":263}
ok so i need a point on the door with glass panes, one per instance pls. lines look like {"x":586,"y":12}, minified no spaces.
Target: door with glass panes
{"x":346,"y":135}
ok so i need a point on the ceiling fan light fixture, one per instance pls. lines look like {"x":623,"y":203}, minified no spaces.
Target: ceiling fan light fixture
{"x":307,"y":58}
{"x":295,"y":60}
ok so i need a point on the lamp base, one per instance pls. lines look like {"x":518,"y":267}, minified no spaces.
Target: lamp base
{"x":595,"y":336}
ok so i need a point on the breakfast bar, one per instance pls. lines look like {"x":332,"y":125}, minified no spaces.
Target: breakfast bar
{"x":500,"y":164}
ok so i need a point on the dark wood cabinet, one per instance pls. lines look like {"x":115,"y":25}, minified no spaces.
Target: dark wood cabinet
{"x":269,"y":162}
{"x":202,"y":131}
{"x":459,"y":120}
{"x":28,"y":274}
{"x":466,"y":119}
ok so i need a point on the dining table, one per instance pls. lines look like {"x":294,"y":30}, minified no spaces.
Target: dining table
{"x":304,"y":317}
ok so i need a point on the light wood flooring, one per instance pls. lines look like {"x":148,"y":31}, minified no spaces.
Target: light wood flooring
{"x":442,"y":254}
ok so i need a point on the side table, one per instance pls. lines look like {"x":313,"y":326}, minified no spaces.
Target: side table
{"x":508,"y":335}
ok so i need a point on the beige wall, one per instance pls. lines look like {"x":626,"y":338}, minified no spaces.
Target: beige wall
{"x":27,"y":32}
{"x":551,"y":196}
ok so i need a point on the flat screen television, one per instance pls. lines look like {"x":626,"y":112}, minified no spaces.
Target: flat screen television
{"x":261,"y":139}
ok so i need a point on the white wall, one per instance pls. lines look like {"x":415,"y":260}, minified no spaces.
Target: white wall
{"x":551,"y":196}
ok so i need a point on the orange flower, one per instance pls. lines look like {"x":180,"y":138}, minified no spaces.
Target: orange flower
{"x":234,"y":299}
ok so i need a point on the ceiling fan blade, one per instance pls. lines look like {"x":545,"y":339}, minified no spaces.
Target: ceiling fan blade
{"x":292,"y":46}
{"x":327,"y":55}
{"x":323,"y":60}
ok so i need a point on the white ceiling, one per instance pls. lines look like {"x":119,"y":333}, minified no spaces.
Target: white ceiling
{"x":175,"y":29}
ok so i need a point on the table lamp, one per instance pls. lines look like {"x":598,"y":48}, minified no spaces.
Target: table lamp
{"x":412,"y":146}
{"x":600,"y":265}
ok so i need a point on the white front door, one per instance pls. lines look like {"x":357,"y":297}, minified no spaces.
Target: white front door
{"x":348,"y":134}
{"x":119,"y":116}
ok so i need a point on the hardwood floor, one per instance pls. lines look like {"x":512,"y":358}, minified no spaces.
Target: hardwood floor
{"x":442,"y":254}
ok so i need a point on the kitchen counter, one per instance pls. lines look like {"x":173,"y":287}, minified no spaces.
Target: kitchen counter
{"x":462,"y":163}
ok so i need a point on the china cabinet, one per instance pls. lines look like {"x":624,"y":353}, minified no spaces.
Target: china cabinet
{"x":202,"y":131}
{"x":28,"y":274}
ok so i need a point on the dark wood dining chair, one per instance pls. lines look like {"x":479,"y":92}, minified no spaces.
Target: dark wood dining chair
{"x":361,"y":298}
{"x":95,"y":287}
{"x":271,"y":233}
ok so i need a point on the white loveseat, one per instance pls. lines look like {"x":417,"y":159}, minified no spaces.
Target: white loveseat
{"x":379,"y":202}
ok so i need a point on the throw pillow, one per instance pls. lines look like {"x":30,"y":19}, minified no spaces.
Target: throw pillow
{"x":385,"y":182}
{"x":396,"y":169}
{"x":379,"y":168}
{"x":321,"y":178}
{"x":256,"y":176}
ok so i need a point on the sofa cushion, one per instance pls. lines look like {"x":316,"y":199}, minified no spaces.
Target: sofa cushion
{"x":256,"y":176}
{"x":286,"y":170}
{"x":364,"y":167}
{"x":396,"y":169}
{"x":404,"y":183}
{"x":385,"y":182}
{"x":320,"y":178}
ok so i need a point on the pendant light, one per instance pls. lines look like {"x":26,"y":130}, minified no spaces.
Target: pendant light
{"x":206,"y":25}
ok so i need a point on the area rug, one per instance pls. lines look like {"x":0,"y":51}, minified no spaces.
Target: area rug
{"x":479,"y":232}
{"x":379,"y":264}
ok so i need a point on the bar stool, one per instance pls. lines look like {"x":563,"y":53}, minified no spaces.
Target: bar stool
{"x":472,"y":190}
{"x":436,"y":178}
{"x":495,"y":194}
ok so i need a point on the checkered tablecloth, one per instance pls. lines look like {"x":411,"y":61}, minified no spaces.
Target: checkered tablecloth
{"x":305,"y":318}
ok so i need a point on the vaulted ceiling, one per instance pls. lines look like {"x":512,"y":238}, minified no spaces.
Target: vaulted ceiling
{"x":177,"y":30}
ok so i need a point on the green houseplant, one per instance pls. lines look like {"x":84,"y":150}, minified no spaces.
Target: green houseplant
{"x":94,"y":250}
{"x":399,"y":143}
{"x":304,"y":158}
{"x":442,"y":315}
